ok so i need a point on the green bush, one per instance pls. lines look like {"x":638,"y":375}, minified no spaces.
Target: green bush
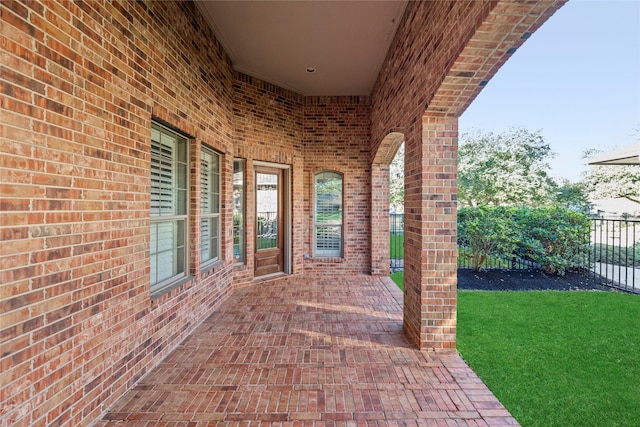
{"x":555,"y":238}
{"x":487,"y":231}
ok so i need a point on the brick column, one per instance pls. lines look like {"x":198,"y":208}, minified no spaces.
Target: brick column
{"x":380,"y":219}
{"x":430,"y":233}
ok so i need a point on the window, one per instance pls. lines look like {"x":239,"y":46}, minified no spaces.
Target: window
{"x":209,"y":206}
{"x":238,"y":210}
{"x":169,"y":184}
{"x":328,"y":214}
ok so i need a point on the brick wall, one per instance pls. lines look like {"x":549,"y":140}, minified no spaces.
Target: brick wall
{"x":80,"y":84}
{"x":310,"y":134}
{"x":420,"y":57}
{"x":268,"y":128}
{"x":336,"y":138}
{"x":449,"y":63}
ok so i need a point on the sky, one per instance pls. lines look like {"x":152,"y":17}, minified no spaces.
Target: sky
{"x":576,"y":79}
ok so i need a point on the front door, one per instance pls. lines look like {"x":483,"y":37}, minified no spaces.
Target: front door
{"x":269,"y":243}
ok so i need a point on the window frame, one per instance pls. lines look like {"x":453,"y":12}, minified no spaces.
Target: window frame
{"x":241,"y":258}
{"x":180,"y":234}
{"x":324,"y":253}
{"x":211,"y":215}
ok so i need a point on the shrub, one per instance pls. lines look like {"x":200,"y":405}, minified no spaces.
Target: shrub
{"x":554,"y":237}
{"x":487,"y":231}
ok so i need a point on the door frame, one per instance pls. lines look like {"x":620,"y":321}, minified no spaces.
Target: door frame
{"x":286,"y":212}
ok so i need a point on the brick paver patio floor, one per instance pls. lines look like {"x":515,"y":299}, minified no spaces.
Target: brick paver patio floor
{"x":309,"y":351}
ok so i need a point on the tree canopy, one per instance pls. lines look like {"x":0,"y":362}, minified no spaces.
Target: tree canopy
{"x":508,"y":168}
{"x":511,"y":169}
{"x":396,"y":179}
{"x":612,"y":181}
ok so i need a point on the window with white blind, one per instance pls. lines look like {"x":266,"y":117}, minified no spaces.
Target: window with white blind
{"x":169,"y":193}
{"x":209,"y":206}
{"x":328,"y":214}
{"x":238,"y":210}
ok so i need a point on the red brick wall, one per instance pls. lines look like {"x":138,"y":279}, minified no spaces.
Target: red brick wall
{"x":442,"y":56}
{"x":268,"y":128}
{"x":429,"y":38}
{"x":311,"y":134}
{"x":80,"y":83}
{"x":336,"y":138}
{"x":420,"y":57}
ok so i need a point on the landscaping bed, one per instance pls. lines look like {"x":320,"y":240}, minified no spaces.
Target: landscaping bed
{"x":525,"y":280}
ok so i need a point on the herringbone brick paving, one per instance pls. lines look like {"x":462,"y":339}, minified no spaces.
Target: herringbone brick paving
{"x":321,"y":351}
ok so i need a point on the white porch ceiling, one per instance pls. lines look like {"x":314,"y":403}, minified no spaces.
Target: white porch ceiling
{"x":345,"y":42}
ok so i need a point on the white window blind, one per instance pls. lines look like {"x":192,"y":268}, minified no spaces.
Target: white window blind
{"x":168,"y":206}
{"x":328,"y":214}
{"x":209,"y":206}
{"x":238,"y":210}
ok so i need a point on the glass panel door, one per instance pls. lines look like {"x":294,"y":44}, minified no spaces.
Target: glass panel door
{"x":269,"y":239}
{"x":267,"y":210}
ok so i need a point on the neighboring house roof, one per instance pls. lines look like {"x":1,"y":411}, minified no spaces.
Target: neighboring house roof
{"x":629,"y":155}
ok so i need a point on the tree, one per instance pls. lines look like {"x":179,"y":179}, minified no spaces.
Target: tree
{"x":612,"y":181}
{"x":508,"y":168}
{"x":572,"y":195}
{"x":396,"y":179}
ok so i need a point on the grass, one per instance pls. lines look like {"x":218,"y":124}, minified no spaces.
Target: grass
{"x":398,"y":279}
{"x":396,"y":246}
{"x":555,"y":358}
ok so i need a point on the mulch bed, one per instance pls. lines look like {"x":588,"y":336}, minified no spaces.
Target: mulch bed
{"x":525,"y":280}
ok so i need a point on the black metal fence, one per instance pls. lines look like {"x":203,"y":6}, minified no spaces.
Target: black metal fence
{"x":613,"y":258}
{"x":396,"y":242}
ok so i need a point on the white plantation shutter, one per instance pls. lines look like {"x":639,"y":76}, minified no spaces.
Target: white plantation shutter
{"x":328,"y":240}
{"x":168,"y":207}
{"x":238,"y":210}
{"x":162,"y":150}
{"x":209,"y":206}
{"x":328,"y":214}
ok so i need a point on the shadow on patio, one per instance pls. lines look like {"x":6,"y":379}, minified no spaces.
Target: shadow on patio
{"x":309,"y":351}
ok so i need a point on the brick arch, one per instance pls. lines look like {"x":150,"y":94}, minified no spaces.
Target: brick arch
{"x":388,"y":148}
{"x":430,"y":301}
{"x":506,"y":27}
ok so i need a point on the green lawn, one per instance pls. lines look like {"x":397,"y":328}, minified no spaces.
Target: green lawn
{"x":398,"y":279}
{"x":556,"y":358}
{"x":396,"y":246}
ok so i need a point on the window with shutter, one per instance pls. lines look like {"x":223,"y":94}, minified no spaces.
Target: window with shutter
{"x":209,"y":206}
{"x":328,"y":214}
{"x":238,"y":210}
{"x":168,"y":207}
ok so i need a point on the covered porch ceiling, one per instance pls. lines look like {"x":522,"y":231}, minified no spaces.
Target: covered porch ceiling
{"x":335,"y":48}
{"x":313,"y":48}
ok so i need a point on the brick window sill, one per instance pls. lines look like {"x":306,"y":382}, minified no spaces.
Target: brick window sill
{"x":160,"y":297}
{"x":330,"y":260}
